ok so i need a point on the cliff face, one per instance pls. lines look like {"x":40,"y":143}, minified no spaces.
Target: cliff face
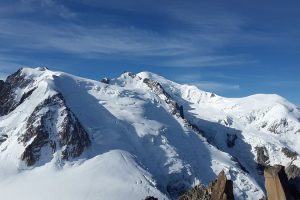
{"x":220,"y":189}
{"x":8,"y":101}
{"x":278,"y":186}
{"x":53,"y":126}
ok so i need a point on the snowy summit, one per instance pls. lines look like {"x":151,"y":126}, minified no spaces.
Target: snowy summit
{"x":138,"y":135}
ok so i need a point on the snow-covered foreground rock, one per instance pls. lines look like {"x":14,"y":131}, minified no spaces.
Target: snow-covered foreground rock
{"x":139,"y":135}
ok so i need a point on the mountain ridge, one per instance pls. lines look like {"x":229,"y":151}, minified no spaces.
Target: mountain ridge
{"x":154,"y":121}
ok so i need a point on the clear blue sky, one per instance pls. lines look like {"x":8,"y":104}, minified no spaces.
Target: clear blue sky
{"x":234,"y":48}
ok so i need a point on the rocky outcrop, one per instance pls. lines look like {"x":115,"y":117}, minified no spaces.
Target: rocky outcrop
{"x":220,"y":189}
{"x":51,"y":127}
{"x":26,"y":95}
{"x":105,"y":80}
{"x":157,"y":88}
{"x":151,"y":198}
{"x":174,"y":107}
{"x":262,"y":156}
{"x":293,"y":174}
{"x":292,"y":171}
{"x":199,"y":192}
{"x":278,"y":126}
{"x":3,"y":138}
{"x":8,"y":100}
{"x":288,"y":153}
{"x":276,"y":183}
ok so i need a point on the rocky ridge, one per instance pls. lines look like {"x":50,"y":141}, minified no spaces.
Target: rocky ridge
{"x":220,"y":189}
{"x":50,"y":128}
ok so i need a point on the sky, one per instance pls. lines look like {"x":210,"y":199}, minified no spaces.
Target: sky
{"x":233,"y":48}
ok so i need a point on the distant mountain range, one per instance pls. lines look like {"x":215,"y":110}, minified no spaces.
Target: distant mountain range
{"x":138,"y":135}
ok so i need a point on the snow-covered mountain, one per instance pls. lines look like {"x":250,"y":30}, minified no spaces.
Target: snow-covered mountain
{"x":139,"y":135}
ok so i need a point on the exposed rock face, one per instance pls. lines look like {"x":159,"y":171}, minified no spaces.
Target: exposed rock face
{"x":51,"y":127}
{"x":220,"y":189}
{"x":293,"y":174}
{"x":175,"y":108}
{"x":159,"y":90}
{"x":25,"y":95}
{"x":290,"y":154}
{"x":262,"y":156}
{"x":105,"y":80}
{"x":276,"y":183}
{"x":199,"y":192}
{"x":151,"y":198}
{"x":277,"y":127}
{"x":3,"y":138}
{"x":292,"y":171}
{"x":7,"y":96}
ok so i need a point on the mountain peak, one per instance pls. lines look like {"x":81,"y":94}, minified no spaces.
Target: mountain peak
{"x":139,"y":131}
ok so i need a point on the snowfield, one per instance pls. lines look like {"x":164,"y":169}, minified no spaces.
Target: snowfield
{"x":138,"y":147}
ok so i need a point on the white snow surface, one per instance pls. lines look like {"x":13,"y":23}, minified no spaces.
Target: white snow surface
{"x":138,"y":148}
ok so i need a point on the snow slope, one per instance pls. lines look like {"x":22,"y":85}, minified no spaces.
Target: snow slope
{"x":140,"y":145}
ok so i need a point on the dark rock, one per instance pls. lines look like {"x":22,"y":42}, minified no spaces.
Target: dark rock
{"x":175,"y":108}
{"x":26,"y":95}
{"x":231,"y":138}
{"x":2,"y":83}
{"x":157,"y":88}
{"x":7,"y":96}
{"x":292,"y":171}
{"x":274,"y":127}
{"x":33,"y":151}
{"x":42,"y":132}
{"x":199,"y":192}
{"x":3,"y":138}
{"x":151,"y":198}
{"x":262,"y":156}
{"x":131,"y":74}
{"x":290,"y":154}
{"x":228,"y":121}
{"x":220,"y":189}
{"x":293,"y":174}
{"x":105,"y":80}
{"x":264,"y":125}
{"x":18,"y":80}
{"x":194,"y":127}
{"x":42,"y":68}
